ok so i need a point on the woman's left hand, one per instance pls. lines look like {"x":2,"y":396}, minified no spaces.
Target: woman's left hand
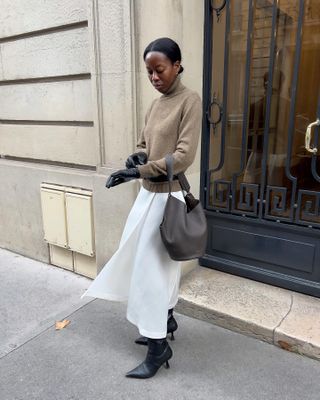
{"x":122,"y":176}
{"x":135,"y":159}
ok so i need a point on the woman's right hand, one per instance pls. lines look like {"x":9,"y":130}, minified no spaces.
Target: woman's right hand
{"x":135,"y":159}
{"x":122,"y":176}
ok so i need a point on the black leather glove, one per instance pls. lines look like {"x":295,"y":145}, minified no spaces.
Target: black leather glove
{"x":136,"y":159}
{"x":121,"y":176}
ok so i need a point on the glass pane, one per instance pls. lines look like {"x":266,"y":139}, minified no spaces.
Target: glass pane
{"x":239,"y":14}
{"x":279,"y":200}
{"x":248,"y":175}
{"x":258,"y":91}
{"x":225,"y":161}
{"x":307,"y":97}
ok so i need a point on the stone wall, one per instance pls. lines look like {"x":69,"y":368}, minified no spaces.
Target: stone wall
{"x":73,"y":94}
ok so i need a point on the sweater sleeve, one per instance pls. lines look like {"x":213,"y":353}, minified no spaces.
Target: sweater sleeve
{"x":187,"y":142}
{"x":141,"y":144}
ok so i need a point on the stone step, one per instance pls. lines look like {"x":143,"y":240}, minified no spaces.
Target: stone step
{"x":278,"y":316}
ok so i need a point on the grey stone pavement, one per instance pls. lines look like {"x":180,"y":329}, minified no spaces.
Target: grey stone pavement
{"x":87,"y":360}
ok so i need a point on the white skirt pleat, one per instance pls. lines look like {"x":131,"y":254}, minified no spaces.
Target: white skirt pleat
{"x":141,"y":271}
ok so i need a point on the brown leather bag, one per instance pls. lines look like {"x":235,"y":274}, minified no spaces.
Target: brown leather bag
{"x":184,"y":225}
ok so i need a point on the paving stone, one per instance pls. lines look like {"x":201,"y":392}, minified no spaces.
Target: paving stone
{"x":300,"y":329}
{"x":236,"y":303}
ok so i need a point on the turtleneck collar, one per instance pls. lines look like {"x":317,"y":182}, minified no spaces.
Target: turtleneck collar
{"x":175,"y":88}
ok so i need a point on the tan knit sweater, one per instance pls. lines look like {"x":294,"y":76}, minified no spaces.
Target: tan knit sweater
{"x":172,"y":126}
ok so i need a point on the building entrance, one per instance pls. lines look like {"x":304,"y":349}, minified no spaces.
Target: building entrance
{"x":261,"y":149}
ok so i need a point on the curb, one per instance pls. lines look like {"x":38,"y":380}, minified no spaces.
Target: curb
{"x":274,"y":315}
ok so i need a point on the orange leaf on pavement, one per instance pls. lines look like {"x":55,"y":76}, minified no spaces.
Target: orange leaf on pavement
{"x":62,"y":324}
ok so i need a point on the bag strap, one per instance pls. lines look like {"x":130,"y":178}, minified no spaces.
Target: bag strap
{"x":181,"y":176}
{"x":185,"y":185}
{"x":169,"y":168}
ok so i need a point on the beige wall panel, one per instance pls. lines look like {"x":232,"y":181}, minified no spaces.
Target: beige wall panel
{"x":70,"y":144}
{"x":85,"y":265}
{"x":114,"y":28}
{"x":70,"y":101}
{"x":22,"y":16}
{"x":61,"y":257}
{"x":60,"y":53}
{"x":114,"y":68}
{"x":80,"y":223}
{"x":192,"y":53}
{"x":156,"y":19}
{"x":192,"y":44}
{"x":118,"y":119}
{"x":54,"y":217}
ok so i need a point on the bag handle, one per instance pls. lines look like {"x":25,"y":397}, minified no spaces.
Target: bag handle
{"x":185,"y":185}
{"x":181,"y":176}
{"x":169,"y":168}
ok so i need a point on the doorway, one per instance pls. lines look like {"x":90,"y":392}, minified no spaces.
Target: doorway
{"x":260,"y":180}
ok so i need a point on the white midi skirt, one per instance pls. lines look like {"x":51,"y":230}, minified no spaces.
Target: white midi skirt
{"x":141,"y":271}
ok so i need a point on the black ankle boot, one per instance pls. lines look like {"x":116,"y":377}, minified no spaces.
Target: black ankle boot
{"x":172,"y":326}
{"x":159,"y":353}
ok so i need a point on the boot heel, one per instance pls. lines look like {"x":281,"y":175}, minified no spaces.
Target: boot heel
{"x":167,"y":365}
{"x":172,"y":326}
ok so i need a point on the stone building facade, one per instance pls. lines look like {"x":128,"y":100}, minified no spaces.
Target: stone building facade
{"x":73,"y":94}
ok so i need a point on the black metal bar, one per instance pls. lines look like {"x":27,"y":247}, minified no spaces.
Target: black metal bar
{"x":225,"y":93}
{"x":268,"y":107}
{"x":310,"y":217}
{"x":218,"y":10}
{"x":292,"y":108}
{"x":207,"y":68}
{"x":245,"y":104}
{"x":315,"y":174}
{"x":221,"y":196}
{"x":224,"y":115}
{"x":215,"y":102}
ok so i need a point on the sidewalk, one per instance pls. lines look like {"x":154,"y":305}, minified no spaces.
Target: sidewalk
{"x":87,"y":360}
{"x":33,"y":295}
{"x":287,"y":319}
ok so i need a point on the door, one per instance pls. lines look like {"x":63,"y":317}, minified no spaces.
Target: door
{"x":260,"y":180}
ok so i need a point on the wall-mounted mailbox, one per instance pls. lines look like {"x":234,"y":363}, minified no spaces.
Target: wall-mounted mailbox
{"x":68,"y":218}
{"x":54,"y":216}
{"x":79,"y":223}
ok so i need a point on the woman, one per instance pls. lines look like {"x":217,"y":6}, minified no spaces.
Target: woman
{"x":141,"y":270}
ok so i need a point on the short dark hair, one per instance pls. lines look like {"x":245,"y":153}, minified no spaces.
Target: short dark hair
{"x":166,"y":46}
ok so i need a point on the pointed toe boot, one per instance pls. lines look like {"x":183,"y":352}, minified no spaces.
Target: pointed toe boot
{"x":159,"y":353}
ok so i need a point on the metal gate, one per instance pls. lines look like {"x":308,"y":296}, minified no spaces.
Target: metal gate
{"x":260,"y":180}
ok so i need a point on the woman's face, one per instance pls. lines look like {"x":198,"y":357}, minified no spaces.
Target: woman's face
{"x":161,"y":71}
